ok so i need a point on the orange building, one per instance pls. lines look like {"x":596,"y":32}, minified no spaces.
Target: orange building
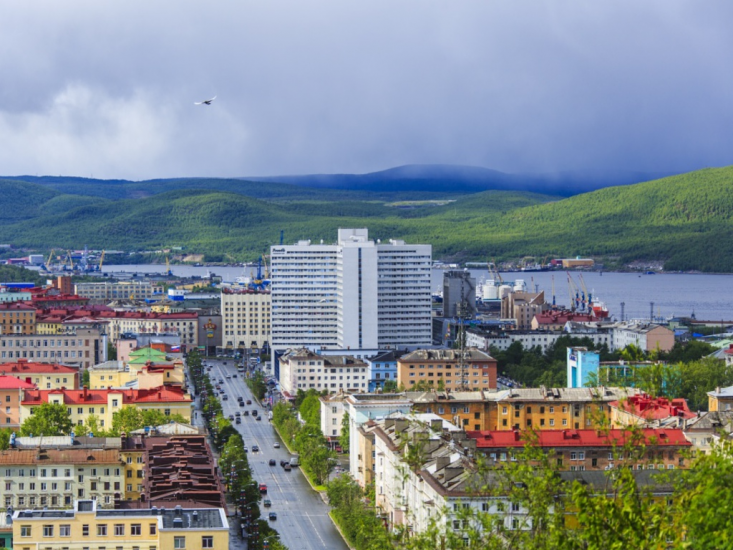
{"x":17,"y":318}
{"x":11,"y":394}
{"x":434,"y":366}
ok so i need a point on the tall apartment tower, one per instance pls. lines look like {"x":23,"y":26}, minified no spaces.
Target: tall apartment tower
{"x":459,"y":295}
{"x":353,"y":294}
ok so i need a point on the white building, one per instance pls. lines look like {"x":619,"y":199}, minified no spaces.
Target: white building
{"x":332,"y":415}
{"x":107,"y":291}
{"x":352,"y":294}
{"x":301,"y":369}
{"x":245,"y":318}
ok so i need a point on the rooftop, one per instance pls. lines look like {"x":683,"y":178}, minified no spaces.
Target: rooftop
{"x":23,"y":366}
{"x":129,"y":396}
{"x":472,"y":354}
{"x":576,"y":438}
{"x":650,"y":408}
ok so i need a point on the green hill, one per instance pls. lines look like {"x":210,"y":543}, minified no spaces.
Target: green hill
{"x":683,"y":220}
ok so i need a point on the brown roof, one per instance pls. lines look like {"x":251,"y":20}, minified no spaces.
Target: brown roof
{"x":58,"y":456}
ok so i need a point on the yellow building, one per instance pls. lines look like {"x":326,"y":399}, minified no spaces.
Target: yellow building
{"x":721,"y":399}
{"x":46,"y":376}
{"x":468,"y":410}
{"x":104,"y":403}
{"x":17,"y":318}
{"x":117,"y":374}
{"x":86,"y":526}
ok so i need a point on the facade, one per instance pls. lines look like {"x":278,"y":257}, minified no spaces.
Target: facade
{"x":11,"y":394}
{"x":145,"y":528}
{"x":185,"y":324}
{"x":52,"y":478}
{"x":303,"y":369}
{"x":441,"y":365}
{"x":353,"y":294}
{"x":580,"y":450}
{"x":708,"y":428}
{"x":17,"y":318}
{"x":81,"y":348}
{"x":721,"y":399}
{"x":361,"y":408}
{"x":332,"y":416}
{"x":47,"y":376}
{"x":383,"y":367}
{"x":246,"y":318}
{"x":108,"y":291}
{"x":104,"y":403}
{"x":470,"y":410}
{"x":530,"y":339}
{"x":459,"y":295}
{"x":581,"y":363}
{"x":523,"y":306}
{"x":646,"y":336}
{"x":557,"y":320}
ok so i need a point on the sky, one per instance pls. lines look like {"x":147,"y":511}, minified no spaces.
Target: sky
{"x":106,"y":89}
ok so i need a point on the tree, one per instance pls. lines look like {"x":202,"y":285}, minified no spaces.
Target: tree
{"x":390,"y":386}
{"x":5,"y":438}
{"x":310,"y":409}
{"x":91,"y":426}
{"x":345,"y":436}
{"x":126,"y":420}
{"x":700,"y":377}
{"x":47,"y":419}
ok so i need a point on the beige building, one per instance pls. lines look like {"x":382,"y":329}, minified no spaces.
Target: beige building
{"x":246,"y":318}
{"x":185,"y":324}
{"x":303,"y":369}
{"x":442,"y":367}
{"x":80,"y":348}
{"x":108,"y":291}
{"x":87,"y":525}
{"x":45,"y":376}
{"x":523,"y":306}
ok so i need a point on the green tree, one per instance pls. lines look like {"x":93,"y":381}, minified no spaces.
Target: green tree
{"x":47,"y":419}
{"x":126,"y":420}
{"x":345,"y":436}
{"x":390,"y":386}
{"x":5,"y":438}
{"x":310,"y":409}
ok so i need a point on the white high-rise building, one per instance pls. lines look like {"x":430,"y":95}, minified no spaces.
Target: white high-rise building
{"x":352,"y":294}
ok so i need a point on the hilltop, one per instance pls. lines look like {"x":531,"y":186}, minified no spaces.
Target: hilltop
{"x":684,"y":220}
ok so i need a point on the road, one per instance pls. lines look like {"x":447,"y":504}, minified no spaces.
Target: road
{"x":302,"y":516}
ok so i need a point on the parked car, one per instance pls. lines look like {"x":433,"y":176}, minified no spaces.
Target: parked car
{"x":245,"y":449}
{"x":231,"y":417}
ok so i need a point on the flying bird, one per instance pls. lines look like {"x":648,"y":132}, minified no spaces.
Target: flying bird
{"x":206,"y":101}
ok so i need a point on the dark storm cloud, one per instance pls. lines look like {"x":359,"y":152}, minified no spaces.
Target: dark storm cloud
{"x":107,"y":88}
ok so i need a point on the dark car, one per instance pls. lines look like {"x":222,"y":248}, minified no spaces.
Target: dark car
{"x":258,"y":417}
{"x":234,"y":375}
{"x":272,"y":516}
{"x":272,"y":462}
{"x":283,"y":463}
{"x":287,"y":467}
{"x":241,"y":404}
{"x":254,"y":412}
{"x":246,"y":413}
{"x":224,"y":397}
{"x":267,"y":503}
{"x":249,"y":401}
{"x":238,"y":421}
{"x":231,"y":417}
{"x":255,"y":448}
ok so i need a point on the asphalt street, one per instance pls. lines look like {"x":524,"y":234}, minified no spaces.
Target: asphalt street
{"x":302,"y":516}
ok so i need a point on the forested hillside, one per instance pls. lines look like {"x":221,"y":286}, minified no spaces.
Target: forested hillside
{"x":683,"y":220}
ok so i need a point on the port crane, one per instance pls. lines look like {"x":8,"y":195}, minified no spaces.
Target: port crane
{"x":493,"y":271}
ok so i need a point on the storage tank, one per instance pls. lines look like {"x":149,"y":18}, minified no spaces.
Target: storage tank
{"x":520,"y":285}
{"x":490,"y":291}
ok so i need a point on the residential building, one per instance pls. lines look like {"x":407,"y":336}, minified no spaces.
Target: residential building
{"x":48,"y":477}
{"x":707,"y":428}
{"x":646,"y":336}
{"x":17,"y":318}
{"x":81,"y":348}
{"x":352,"y":294}
{"x":332,"y":416}
{"x":470,"y":410}
{"x":721,"y":399}
{"x":14,"y":295}
{"x":46,"y":376}
{"x":88,"y":525}
{"x":383,"y":367}
{"x":578,"y":450}
{"x":530,"y":339}
{"x":582,"y":365}
{"x":104,"y":403}
{"x":11,"y":394}
{"x":555,"y":320}
{"x":556,"y":408}
{"x":246,"y":318}
{"x":147,"y":375}
{"x":59,"y":300}
{"x":361,"y":408}
{"x":108,"y":291}
{"x":303,"y":369}
{"x":642,"y":410}
{"x":445,"y":367}
{"x":185,"y":324}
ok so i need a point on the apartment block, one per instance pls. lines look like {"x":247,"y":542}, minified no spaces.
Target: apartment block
{"x":11,"y":394}
{"x":17,"y":318}
{"x":46,"y":376}
{"x":108,"y":291}
{"x":303,"y":369}
{"x":475,"y":370}
{"x":246,"y":318}
{"x":80,"y":348}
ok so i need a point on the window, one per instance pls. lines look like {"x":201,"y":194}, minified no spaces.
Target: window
{"x":25,"y":530}
{"x":102,"y":530}
{"x":48,"y":530}
{"x":119,"y":529}
{"x":85,"y":530}
{"x":179,"y":542}
{"x":153,"y":528}
{"x":515,"y":507}
{"x":64,"y":530}
{"x":207,"y":542}
{"x":136,"y":529}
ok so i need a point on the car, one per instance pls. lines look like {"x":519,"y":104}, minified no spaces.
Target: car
{"x":231,"y":417}
{"x":237,"y":413}
{"x":283,"y":463}
{"x":273,"y":462}
{"x":276,"y":445}
{"x":246,"y":413}
{"x":263,"y":488}
{"x":223,"y":362}
{"x":258,"y":418}
{"x":255,"y":448}
{"x":254,"y":412}
{"x":241,"y":405}
{"x":221,"y":380}
{"x":249,"y":401}
{"x":225,"y":398}
{"x":272,"y":516}
{"x":267,"y":503}
{"x":234,"y":375}
{"x":238,"y":421}
{"x":229,"y":377}
{"x":245,"y":449}
{"x":287,"y":467}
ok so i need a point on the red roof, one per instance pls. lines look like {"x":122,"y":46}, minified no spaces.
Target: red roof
{"x":13,"y":306}
{"x":644,"y":406}
{"x":13,"y":383}
{"x":575,"y":438}
{"x":24,"y":367}
{"x":162,"y":394}
{"x":59,"y":298}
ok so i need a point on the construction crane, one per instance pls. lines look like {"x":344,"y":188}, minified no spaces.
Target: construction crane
{"x":71,"y":261}
{"x":48,"y":264}
{"x":573,"y":288}
{"x":586,"y":295}
{"x":168,"y":272}
{"x":101,"y":260}
{"x":493,"y":271}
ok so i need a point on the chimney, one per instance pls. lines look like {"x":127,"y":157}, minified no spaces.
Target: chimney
{"x":86,"y":393}
{"x":516,"y":435}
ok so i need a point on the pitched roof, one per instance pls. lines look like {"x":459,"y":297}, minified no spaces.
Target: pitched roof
{"x":13,"y":383}
{"x":650,"y":408}
{"x":25,"y":367}
{"x":472,"y":354}
{"x":59,"y":456}
{"x":161,"y":394}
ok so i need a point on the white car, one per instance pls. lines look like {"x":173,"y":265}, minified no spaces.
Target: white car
{"x":276,"y":445}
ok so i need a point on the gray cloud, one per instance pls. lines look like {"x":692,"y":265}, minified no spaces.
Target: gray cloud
{"x":345,"y":86}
